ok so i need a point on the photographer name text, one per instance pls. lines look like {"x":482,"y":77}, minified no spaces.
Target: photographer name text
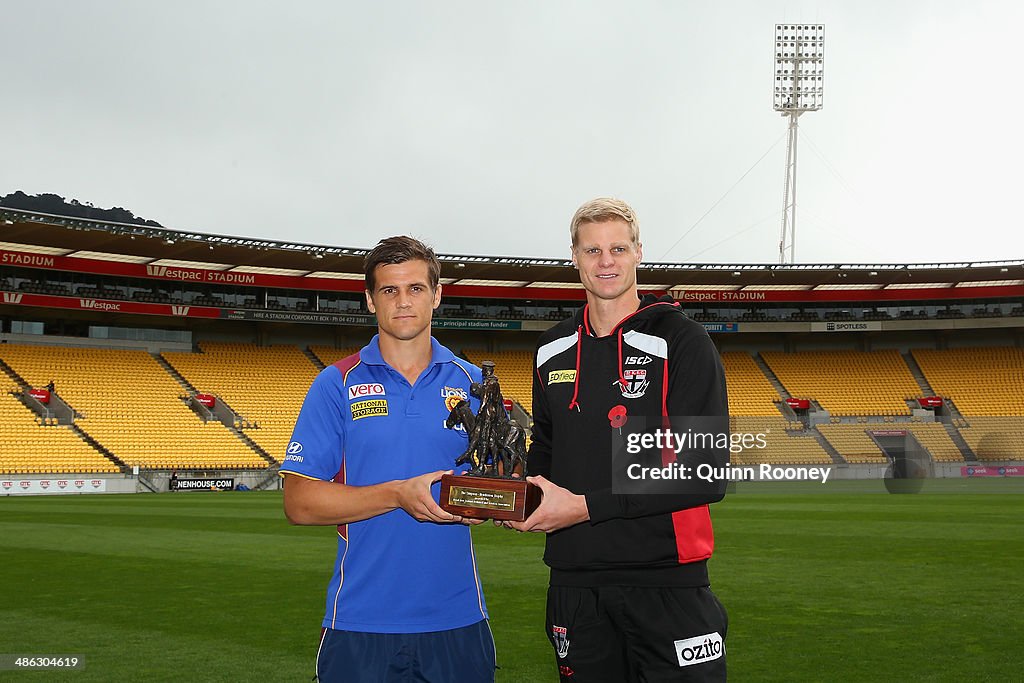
{"x":763,"y":472}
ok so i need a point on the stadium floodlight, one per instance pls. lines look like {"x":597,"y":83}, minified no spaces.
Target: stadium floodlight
{"x":799,"y":88}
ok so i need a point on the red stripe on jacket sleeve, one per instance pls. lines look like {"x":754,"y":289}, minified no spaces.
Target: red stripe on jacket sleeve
{"x":695,"y":537}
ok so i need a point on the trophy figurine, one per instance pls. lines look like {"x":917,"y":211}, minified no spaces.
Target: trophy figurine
{"x":495,"y":486}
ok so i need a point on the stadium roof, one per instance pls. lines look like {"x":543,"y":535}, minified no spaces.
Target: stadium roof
{"x":77,"y":237}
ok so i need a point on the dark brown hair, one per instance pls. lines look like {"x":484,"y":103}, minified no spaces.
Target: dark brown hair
{"x":400,"y":249}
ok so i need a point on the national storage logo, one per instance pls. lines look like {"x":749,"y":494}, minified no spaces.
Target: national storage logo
{"x":371,"y":408}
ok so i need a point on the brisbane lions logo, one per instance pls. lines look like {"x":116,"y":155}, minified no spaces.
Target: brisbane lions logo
{"x":452,"y":395}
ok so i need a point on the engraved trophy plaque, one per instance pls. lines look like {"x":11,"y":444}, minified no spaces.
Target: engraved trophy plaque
{"x":495,"y":486}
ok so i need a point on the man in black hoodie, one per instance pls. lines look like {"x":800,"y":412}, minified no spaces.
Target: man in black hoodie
{"x":629,"y":598}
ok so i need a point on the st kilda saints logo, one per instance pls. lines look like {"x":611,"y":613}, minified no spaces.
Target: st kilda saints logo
{"x":560,"y":636}
{"x":635,"y":385}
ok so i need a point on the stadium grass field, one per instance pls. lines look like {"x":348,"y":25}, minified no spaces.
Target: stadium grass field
{"x":218,"y":587}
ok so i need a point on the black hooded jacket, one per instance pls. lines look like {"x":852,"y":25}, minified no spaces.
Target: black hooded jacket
{"x":656,"y":368}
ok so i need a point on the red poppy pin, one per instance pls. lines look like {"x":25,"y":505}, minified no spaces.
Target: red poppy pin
{"x":617,"y":416}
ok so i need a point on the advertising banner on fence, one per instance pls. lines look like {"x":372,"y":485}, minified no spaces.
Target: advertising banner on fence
{"x":14,"y":486}
{"x":203,"y":484}
{"x":990,"y":471}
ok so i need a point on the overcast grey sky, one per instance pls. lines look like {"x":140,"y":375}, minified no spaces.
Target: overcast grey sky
{"x":481,"y":126}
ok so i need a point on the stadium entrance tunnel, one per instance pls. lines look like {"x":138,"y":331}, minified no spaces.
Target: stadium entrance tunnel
{"x":909,"y":463}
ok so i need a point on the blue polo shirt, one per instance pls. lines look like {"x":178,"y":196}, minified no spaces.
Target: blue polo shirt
{"x":362,"y":423}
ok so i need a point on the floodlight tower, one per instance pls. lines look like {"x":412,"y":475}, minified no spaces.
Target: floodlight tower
{"x":799,"y":67}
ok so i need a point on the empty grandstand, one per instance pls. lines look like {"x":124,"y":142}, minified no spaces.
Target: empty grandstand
{"x":130,"y":406}
{"x":750,"y":391}
{"x":27,"y":446}
{"x":991,"y":387}
{"x":847,"y":382}
{"x":166,"y":359}
{"x":328,"y":355}
{"x":785,"y":442}
{"x":513,"y":368}
{"x":987,"y":396}
{"x":265,"y":386}
{"x":936,"y":440}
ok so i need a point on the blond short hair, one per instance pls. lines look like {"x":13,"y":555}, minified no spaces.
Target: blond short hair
{"x":605,"y":209}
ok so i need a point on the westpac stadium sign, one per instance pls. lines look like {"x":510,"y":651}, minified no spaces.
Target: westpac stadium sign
{"x":332,"y":284}
{"x":198,"y":275}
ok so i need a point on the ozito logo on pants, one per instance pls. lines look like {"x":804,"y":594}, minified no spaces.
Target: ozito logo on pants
{"x":699,"y":649}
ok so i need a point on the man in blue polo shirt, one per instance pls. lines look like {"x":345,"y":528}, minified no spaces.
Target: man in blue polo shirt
{"x":405,"y":600}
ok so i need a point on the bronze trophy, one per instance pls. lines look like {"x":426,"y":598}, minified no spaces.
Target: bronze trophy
{"x":495,"y":486}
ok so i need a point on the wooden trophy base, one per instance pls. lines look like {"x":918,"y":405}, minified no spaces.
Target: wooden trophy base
{"x":489,"y":498}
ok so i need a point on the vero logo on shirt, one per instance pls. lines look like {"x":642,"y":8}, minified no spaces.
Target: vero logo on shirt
{"x":362,"y":390}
